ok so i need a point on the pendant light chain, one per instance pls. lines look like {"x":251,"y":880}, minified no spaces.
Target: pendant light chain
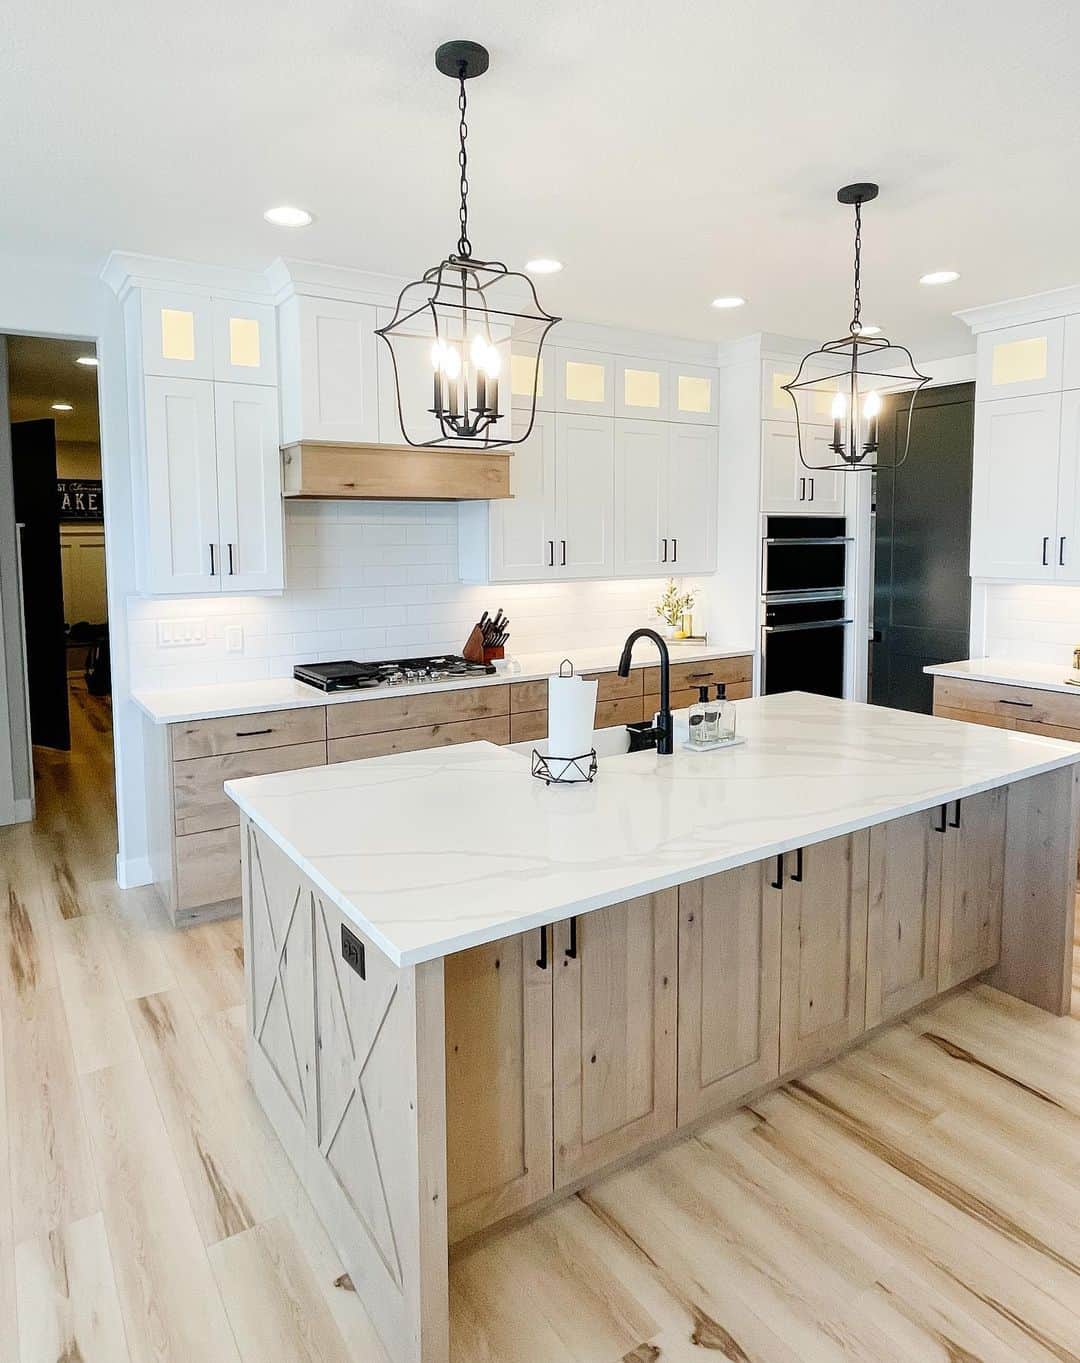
{"x":856,"y":322}
{"x":464,"y":244}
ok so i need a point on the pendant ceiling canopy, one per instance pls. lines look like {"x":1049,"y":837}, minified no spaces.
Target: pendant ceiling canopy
{"x":468,"y":332}
{"x":848,"y":382}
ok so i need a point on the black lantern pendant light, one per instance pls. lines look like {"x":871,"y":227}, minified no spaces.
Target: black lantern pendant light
{"x":845,"y":381}
{"x":455,"y":329}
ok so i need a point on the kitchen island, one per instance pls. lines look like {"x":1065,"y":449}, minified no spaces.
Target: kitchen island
{"x":468,"y":992}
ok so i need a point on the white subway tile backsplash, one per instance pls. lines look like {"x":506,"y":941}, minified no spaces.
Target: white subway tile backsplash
{"x":369,"y":580}
{"x":1033,"y":623}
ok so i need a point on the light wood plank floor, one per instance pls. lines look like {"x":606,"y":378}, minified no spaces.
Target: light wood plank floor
{"x":916,"y":1201}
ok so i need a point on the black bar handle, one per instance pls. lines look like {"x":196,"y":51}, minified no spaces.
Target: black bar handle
{"x":213,"y":570}
{"x":811,"y":489}
{"x":571,"y":950}
{"x":563,"y":543}
{"x":232,"y":569}
{"x":674,"y":551}
{"x":778,"y":883}
{"x":955,"y":823}
{"x":1061,"y":552}
{"x":802,"y":489}
{"x":551,"y":553}
{"x":940,"y":828}
{"x":664,"y":557}
{"x":797,"y":876}
{"x":1046,"y":550}
{"x":542,"y":960}
{"x":1023,"y":704}
{"x":252,"y":733}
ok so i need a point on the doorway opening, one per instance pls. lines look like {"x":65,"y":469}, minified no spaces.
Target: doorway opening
{"x":60,"y":576}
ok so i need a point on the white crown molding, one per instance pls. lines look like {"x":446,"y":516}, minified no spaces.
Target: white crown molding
{"x":286,"y":278}
{"x":126,"y":270}
{"x":1036,"y":307}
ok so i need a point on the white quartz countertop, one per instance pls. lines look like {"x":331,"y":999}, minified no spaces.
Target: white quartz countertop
{"x":1008,"y":672}
{"x":432,"y":852}
{"x":284,"y":693}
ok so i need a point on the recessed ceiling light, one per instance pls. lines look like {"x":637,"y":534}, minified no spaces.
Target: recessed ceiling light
{"x":89,"y":360}
{"x":940,"y":277}
{"x":543,"y":265}
{"x":734,"y":301}
{"x":62,"y":407}
{"x":286,"y":215}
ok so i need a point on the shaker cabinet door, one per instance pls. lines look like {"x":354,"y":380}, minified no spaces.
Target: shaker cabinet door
{"x":615,"y":1032}
{"x":585,"y":492}
{"x":183,"y":541}
{"x":823,"y":955}
{"x":498,"y":1081}
{"x":729,"y":988}
{"x":522,"y":528}
{"x":1015,"y":488}
{"x":690,"y":522}
{"x":642,"y":539}
{"x":972,"y":886}
{"x":249,"y":488}
{"x":905,"y":913}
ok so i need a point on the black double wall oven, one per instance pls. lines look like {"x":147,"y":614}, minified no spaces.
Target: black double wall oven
{"x":804,"y":579}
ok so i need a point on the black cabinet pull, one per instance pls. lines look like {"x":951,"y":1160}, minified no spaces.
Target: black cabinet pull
{"x":551,"y":553}
{"x":674,"y":551}
{"x":232,"y":570}
{"x":1061,"y":552}
{"x":563,"y":543}
{"x":811,"y":489}
{"x":1046,"y":550}
{"x":778,"y":883}
{"x":797,"y":876}
{"x":213,"y":570}
{"x":940,"y":827}
{"x":571,"y":950}
{"x":1023,"y":704}
{"x":664,"y":558}
{"x":542,"y":960}
{"x":955,"y":823}
{"x":252,"y":733}
{"x":802,"y":489}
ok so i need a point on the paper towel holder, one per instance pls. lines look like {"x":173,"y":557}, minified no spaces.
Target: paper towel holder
{"x":564,"y":771}
{"x":567,"y":663}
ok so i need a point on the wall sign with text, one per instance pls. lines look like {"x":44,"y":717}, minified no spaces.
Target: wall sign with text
{"x":80,"y":499}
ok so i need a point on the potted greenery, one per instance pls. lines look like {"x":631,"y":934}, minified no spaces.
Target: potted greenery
{"x":673,"y":607}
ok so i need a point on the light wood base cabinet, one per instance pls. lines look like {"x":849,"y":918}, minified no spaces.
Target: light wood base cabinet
{"x":905,"y":914}
{"x":615,"y":1032}
{"x":972,"y":886}
{"x":729,"y":988}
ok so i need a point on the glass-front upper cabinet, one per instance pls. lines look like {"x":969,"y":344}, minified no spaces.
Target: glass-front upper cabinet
{"x":586,"y":382}
{"x":526,"y":374}
{"x":1020,"y":361}
{"x":177,"y":334}
{"x":693,"y":394}
{"x":642,"y":389}
{"x":245,"y":346}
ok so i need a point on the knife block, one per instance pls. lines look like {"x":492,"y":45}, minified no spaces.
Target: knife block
{"x":474,"y":650}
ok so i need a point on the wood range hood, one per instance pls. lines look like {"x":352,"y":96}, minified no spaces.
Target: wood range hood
{"x":336,"y":471}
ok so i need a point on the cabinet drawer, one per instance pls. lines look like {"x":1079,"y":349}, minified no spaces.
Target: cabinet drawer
{"x":532,"y":725}
{"x":1026,"y":703}
{"x":416,"y":711}
{"x":200,"y":804}
{"x":494,"y":730}
{"x":704,"y":673}
{"x":244,"y":733}
{"x":610,"y":686}
{"x":207,"y":868}
{"x":686,"y":696}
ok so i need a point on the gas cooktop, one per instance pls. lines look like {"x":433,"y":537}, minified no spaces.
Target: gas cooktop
{"x":353,"y":676}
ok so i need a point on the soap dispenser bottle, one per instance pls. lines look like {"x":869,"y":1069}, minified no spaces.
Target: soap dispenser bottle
{"x":724,"y":711}
{"x":698,"y":726}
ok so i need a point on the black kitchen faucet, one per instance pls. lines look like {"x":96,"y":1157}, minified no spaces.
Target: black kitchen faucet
{"x":664,"y":728}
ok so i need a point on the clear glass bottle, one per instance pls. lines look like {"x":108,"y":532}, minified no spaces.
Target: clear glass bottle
{"x":712,"y":717}
{"x":725,"y":716}
{"x":698,"y":728}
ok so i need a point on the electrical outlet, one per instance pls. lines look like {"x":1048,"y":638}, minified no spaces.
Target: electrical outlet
{"x":234,"y":639}
{"x":180,"y":633}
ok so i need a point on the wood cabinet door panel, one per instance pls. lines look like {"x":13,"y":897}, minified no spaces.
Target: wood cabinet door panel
{"x":823,"y":956}
{"x":729,"y":988}
{"x":498,"y":1082}
{"x":614,"y":1032}
{"x":358,"y":746}
{"x":199,"y":802}
{"x":904,"y":916}
{"x":416,"y":711}
{"x":972,"y":886}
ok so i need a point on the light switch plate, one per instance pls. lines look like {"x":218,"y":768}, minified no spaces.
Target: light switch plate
{"x":234,"y":638}
{"x":180,"y":633}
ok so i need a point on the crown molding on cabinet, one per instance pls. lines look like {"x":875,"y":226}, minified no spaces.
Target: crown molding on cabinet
{"x":126,"y":270}
{"x":286,"y":278}
{"x":1036,"y":307}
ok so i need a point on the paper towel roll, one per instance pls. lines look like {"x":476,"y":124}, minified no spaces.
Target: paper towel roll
{"x":571,"y":716}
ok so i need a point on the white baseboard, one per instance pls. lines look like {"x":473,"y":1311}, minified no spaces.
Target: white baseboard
{"x":132,"y":872}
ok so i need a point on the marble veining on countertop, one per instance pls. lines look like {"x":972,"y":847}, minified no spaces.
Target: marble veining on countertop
{"x":1008,"y":672}
{"x":431,"y":852}
{"x":175,"y":706}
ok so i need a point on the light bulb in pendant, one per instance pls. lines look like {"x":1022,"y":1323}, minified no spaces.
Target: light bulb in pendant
{"x":871,"y":412}
{"x":839,"y":411}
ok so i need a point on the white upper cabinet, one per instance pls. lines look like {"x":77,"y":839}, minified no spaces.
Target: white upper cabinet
{"x":182,"y":540}
{"x":692,"y":390}
{"x":642,"y":537}
{"x":1016,"y":479}
{"x":1020,"y":361}
{"x":523,"y":529}
{"x":1070,"y":367}
{"x":245,"y":343}
{"x":177,"y":332}
{"x":584,"y":489}
{"x":585,"y":382}
{"x":526,"y":374}
{"x":788,"y":487}
{"x":250,"y":509}
{"x":691,"y":495}
{"x":642,"y":389}
{"x":776,"y":405}
{"x":1067,"y":545}
{"x":329,"y":377}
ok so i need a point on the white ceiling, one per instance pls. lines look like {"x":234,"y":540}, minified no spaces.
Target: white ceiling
{"x":666,"y":152}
